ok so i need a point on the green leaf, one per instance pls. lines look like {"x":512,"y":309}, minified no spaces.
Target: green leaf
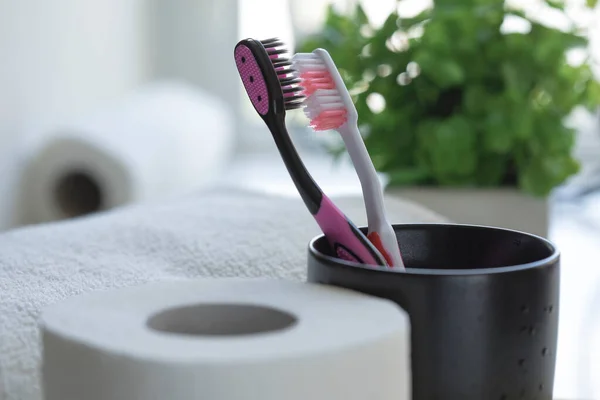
{"x":436,"y":36}
{"x":390,"y":25}
{"x":591,"y":3}
{"x":425,"y":92}
{"x":558,"y":4}
{"x":522,"y":123}
{"x":452,"y":149}
{"x":475,"y":99}
{"x":552,"y":137}
{"x":534,"y":180}
{"x":496,"y":137}
{"x":491,"y":169}
{"x":517,"y":83}
{"x":511,"y":11}
{"x":542,"y":175}
{"x":453,"y":72}
{"x":408,"y":23}
{"x":359,"y":15}
{"x":444,"y":72}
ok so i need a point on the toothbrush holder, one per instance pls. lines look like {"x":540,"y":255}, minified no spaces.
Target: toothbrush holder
{"x":483,"y":305}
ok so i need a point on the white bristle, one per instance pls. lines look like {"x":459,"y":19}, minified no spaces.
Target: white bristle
{"x":315,"y":67}
{"x":328,"y":92}
{"x":306,"y":56}
{"x":327,"y":100}
{"x":322,"y":100}
{"x":308,"y":61}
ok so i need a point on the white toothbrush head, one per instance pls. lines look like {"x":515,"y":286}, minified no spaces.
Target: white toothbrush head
{"x":328,"y":104}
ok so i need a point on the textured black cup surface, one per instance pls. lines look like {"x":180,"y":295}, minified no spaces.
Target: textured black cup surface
{"x":483,"y":304}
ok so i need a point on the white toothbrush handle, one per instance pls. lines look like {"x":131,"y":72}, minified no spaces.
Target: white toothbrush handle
{"x":367,"y":175}
{"x":372,"y":190}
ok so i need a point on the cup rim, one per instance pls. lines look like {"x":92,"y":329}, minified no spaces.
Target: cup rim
{"x":339,"y":263}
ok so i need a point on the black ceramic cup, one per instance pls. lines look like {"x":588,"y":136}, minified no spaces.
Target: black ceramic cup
{"x":483,"y":306}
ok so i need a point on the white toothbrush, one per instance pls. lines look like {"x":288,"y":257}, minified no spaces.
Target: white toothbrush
{"x":329,"y":106}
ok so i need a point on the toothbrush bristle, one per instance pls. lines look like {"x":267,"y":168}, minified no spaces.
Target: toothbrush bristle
{"x":315,"y":80}
{"x":293,"y":93}
{"x":324,"y":104}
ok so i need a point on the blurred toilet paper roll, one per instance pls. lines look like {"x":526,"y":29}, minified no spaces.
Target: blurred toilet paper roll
{"x":162,"y":140}
{"x":226,"y":339}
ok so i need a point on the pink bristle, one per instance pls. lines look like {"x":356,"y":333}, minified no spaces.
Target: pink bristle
{"x":329,"y":119}
{"x":315,"y":80}
{"x":335,"y":113}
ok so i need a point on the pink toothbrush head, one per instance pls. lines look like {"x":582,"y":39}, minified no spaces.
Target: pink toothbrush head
{"x":274,"y":87}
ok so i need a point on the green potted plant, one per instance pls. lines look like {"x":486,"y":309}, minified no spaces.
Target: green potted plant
{"x":458,"y":113}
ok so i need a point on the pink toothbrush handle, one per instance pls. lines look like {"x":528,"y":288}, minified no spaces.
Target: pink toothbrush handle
{"x":345,"y":239}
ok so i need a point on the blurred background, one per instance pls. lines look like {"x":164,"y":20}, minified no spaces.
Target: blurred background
{"x":117,"y":102}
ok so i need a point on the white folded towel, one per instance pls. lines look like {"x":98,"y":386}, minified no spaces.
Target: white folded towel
{"x":222,"y":232}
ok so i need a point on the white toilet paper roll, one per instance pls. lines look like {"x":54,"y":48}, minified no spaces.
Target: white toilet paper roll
{"x":164,"y":140}
{"x":227,"y":339}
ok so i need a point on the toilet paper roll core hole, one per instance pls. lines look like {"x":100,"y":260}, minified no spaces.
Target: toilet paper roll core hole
{"x":221,"y":319}
{"x":78,"y":193}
